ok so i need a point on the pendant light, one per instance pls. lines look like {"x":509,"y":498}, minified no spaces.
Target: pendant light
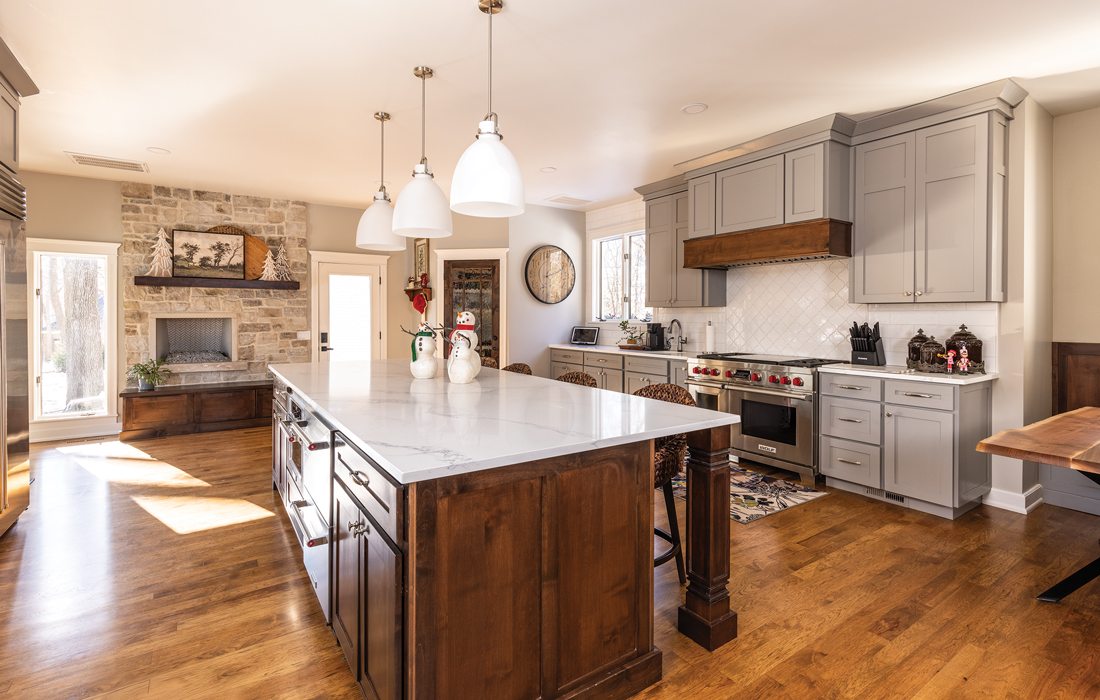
{"x":375,"y":231}
{"x":487,"y":181}
{"x":421,"y":210}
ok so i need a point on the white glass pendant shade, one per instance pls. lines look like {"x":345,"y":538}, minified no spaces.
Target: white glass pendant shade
{"x":487,"y":181}
{"x":421,"y":210}
{"x":375,"y":231}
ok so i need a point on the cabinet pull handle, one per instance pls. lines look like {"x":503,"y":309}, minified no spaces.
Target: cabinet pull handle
{"x":920,"y":294}
{"x":849,"y":461}
{"x":920,"y":396}
{"x":889,"y":415}
{"x":360,"y":478}
{"x":908,"y":294}
{"x":853,"y":387}
{"x":850,"y":420}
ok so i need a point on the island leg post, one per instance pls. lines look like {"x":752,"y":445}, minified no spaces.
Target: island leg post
{"x":705,"y":616}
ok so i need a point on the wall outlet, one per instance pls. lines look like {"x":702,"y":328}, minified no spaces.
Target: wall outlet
{"x":303,"y":335}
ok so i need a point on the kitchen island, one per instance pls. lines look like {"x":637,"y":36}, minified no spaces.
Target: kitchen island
{"x":495,"y":539}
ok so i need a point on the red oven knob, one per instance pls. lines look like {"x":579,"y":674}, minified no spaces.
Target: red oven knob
{"x":773,"y":379}
{"x":785,"y":380}
{"x":797,"y":381}
{"x":755,"y":377}
{"x":696,"y":370}
{"x":714,"y":372}
{"x":729,"y":374}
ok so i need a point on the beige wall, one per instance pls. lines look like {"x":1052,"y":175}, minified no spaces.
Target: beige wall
{"x":73,"y":208}
{"x":1076,"y":239}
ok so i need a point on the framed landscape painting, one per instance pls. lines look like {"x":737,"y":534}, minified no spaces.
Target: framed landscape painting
{"x":205,"y":254}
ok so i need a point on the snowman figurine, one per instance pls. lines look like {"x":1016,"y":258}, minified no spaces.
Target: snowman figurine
{"x":463,"y":364}
{"x":423,"y":365}
{"x":465,"y":324}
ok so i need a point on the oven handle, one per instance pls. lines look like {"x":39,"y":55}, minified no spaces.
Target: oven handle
{"x":299,"y":524}
{"x":780,"y":394}
{"x":708,"y":389}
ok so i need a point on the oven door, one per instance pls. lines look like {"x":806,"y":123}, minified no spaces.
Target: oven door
{"x":775,"y":425}
{"x":710,"y":396}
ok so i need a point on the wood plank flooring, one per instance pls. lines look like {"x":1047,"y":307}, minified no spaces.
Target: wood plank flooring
{"x":841,"y":597}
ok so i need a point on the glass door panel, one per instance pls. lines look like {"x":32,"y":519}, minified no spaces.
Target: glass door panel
{"x":349,"y":317}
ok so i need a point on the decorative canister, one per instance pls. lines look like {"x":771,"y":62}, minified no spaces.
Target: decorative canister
{"x":970,"y":360}
{"x":915,"y":343}
{"x":932,"y":356}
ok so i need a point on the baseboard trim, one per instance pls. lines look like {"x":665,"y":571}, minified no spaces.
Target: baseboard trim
{"x":1022,"y":503}
{"x":75,"y":429}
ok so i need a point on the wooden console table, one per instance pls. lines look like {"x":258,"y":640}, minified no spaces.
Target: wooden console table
{"x":1070,"y":440}
{"x":195,"y":408}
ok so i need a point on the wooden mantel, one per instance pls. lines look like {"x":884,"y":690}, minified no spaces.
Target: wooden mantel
{"x":805,"y":240}
{"x":147,"y":281}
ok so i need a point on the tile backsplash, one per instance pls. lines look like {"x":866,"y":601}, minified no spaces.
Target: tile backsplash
{"x":803,"y":309}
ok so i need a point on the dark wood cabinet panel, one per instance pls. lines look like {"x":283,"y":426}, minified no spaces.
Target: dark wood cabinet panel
{"x":1076,"y":376}
{"x":152,"y":411}
{"x":225,"y":405}
{"x":380,"y":644}
{"x":346,"y":567}
{"x":194,"y":408}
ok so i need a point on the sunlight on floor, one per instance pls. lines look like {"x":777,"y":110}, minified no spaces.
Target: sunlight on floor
{"x":119,"y":463}
{"x":189,"y":514}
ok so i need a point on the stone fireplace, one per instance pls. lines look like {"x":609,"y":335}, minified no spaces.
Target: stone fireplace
{"x":251,"y":327}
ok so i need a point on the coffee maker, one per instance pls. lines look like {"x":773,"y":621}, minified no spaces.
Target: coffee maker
{"x":655,"y":336}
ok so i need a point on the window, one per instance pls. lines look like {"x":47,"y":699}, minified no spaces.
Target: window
{"x":619,"y":278}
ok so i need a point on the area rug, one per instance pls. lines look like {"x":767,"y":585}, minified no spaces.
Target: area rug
{"x":754,"y":495}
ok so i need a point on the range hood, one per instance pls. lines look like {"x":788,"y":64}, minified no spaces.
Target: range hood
{"x":818,"y":239}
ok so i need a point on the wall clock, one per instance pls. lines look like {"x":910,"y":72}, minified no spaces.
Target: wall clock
{"x":550,"y":274}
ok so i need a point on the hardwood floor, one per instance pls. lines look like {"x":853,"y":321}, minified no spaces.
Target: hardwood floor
{"x":841,"y":597}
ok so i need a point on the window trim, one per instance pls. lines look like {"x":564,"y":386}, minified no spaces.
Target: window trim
{"x":596,"y":278}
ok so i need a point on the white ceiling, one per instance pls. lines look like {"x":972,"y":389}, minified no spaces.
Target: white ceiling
{"x":274,"y":96}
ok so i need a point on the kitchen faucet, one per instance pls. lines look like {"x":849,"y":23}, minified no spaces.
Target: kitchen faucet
{"x":678,"y":336}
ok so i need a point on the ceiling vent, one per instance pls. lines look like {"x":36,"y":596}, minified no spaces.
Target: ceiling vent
{"x":567,"y":201}
{"x":133,"y":166}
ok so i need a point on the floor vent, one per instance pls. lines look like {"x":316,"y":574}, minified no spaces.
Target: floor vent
{"x":106,"y":162}
{"x":879,"y":493}
{"x":567,"y":201}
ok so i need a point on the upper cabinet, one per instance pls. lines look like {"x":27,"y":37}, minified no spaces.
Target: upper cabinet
{"x":668,"y":283}
{"x":9,"y":130}
{"x":749,"y":196}
{"x":929,"y":214}
{"x":800,"y":185}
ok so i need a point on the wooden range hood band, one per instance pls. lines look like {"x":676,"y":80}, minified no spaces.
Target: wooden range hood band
{"x":806,"y":240}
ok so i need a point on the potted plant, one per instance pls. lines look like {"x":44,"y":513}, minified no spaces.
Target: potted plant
{"x":149,"y":374}
{"x":631,"y":335}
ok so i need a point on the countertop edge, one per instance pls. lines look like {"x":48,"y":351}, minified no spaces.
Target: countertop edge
{"x":615,"y":350}
{"x":898,"y":372}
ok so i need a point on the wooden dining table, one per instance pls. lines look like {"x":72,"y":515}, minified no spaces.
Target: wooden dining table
{"x":1069,"y":440}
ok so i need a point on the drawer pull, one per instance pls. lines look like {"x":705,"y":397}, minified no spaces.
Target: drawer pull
{"x":853,"y":387}
{"x":849,"y":461}
{"x":889,"y":415}
{"x":360,"y":478}
{"x":920,"y":396}
{"x":850,"y":420}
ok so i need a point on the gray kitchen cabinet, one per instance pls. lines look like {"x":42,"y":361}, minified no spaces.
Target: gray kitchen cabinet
{"x":677,"y":373}
{"x":918,"y":449}
{"x":660,"y":245}
{"x":816,"y":183}
{"x":636,"y":380}
{"x":929,"y":214}
{"x":701,"y":206}
{"x":559,"y":368}
{"x":668,"y":283}
{"x":749,"y":196}
{"x":610,"y":379}
{"x":883,"y":264}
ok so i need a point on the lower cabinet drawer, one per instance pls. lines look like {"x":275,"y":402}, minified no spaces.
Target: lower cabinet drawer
{"x":920,"y":394}
{"x":603,"y":360}
{"x":225,"y":406}
{"x":645,"y":365}
{"x":851,"y":419}
{"x":155,"y":411}
{"x":368,"y":484}
{"x":851,"y":461}
{"x":575,"y":357}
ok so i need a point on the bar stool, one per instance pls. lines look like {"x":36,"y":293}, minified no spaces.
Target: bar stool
{"x":669,"y":456}
{"x":518,"y":368}
{"x":489,"y":362}
{"x":582,"y":378}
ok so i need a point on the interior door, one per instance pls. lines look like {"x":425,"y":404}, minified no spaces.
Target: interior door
{"x":349,"y":314}
{"x":474,"y":285}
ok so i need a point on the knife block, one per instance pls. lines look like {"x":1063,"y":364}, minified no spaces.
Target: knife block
{"x":876,"y":357}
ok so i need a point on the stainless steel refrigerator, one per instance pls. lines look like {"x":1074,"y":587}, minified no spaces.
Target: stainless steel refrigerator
{"x":14,"y":385}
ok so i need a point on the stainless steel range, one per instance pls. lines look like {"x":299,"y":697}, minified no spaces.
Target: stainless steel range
{"x":775,"y":395}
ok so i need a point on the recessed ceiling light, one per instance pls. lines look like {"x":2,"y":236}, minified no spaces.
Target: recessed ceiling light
{"x":548,"y":169}
{"x":159,"y":151}
{"x":694,"y":108}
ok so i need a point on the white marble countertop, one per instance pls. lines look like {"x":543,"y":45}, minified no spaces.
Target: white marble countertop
{"x":899,"y":372}
{"x":661,"y":354}
{"x":419,"y":429}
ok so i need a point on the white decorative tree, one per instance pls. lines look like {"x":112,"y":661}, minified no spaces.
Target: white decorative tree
{"x":269,"y":274}
{"x":282,"y":265}
{"x":162,"y":256}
